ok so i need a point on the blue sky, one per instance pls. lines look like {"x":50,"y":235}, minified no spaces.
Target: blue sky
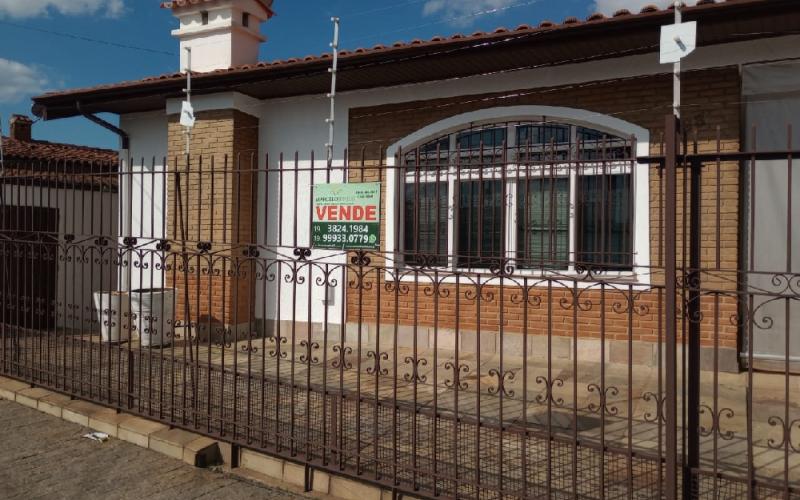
{"x":32,"y":59}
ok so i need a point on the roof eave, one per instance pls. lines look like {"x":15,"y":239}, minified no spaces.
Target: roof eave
{"x":60,"y":105}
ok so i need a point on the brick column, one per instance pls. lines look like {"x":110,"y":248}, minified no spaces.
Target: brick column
{"x":217,"y":198}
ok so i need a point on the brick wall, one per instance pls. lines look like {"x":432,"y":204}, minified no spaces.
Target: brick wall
{"x":217,"y":198}
{"x":712,"y":116}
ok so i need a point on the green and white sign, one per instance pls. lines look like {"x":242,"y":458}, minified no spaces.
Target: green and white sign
{"x":346,"y":216}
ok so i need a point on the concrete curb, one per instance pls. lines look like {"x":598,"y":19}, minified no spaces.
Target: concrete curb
{"x":194,"y":449}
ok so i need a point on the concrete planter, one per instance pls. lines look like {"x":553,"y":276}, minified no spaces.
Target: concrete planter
{"x":114,"y":315}
{"x":154,"y":309}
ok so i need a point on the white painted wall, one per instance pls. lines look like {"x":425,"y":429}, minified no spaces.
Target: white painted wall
{"x":298,"y":124}
{"x":224,"y":41}
{"x":142,"y":189}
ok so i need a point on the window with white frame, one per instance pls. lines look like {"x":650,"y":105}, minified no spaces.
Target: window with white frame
{"x":543,"y":195}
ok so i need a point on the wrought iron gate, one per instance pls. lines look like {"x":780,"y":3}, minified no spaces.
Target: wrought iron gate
{"x":511,"y":343}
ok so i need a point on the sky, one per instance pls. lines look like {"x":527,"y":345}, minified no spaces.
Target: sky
{"x":50,"y":45}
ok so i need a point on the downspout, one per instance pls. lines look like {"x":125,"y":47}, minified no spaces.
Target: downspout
{"x":124,"y":137}
{"x":125,"y":221}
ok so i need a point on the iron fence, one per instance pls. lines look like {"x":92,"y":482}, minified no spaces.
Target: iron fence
{"x":544,"y":315}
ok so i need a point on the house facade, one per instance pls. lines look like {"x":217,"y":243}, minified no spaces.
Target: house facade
{"x":58,"y":200}
{"x":514,"y":215}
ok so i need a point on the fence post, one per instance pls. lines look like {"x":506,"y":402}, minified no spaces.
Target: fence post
{"x":694,"y":318}
{"x":670,"y":309}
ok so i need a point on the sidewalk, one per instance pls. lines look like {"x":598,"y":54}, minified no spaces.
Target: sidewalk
{"x":46,"y":457}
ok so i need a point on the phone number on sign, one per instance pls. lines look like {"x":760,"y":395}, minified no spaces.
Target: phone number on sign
{"x":349,"y":228}
{"x":348,"y":238}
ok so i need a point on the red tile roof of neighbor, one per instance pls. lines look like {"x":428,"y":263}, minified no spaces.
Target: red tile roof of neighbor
{"x":458,"y":55}
{"x":42,"y":152}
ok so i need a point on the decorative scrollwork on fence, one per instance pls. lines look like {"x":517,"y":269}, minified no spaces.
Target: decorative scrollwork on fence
{"x":657,"y":413}
{"x":293,"y":275}
{"x":249,"y":347}
{"x":479,"y":291}
{"x":415,"y":375}
{"x":503,"y":379}
{"x":786,"y":434}
{"x":603,"y":395}
{"x":716,"y":422}
{"x":360,"y":259}
{"x":526,"y":297}
{"x":302,"y":253}
{"x":576,"y":301}
{"x":308,"y":355}
{"x":588,"y":272}
{"x":502,"y":268}
{"x":340,"y":360}
{"x":396,"y":287}
{"x":422,"y":261}
{"x":455,"y":381}
{"x":435,"y":289}
{"x":549,"y":386}
{"x":378,"y":358}
{"x":277,"y":352}
{"x":327,"y":279}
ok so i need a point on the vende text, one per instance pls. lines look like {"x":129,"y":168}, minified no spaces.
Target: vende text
{"x":348,"y":213}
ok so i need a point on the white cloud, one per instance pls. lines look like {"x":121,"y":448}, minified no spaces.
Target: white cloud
{"x":34,"y":8}
{"x":609,"y":7}
{"x":463,"y":12}
{"x":19,"y":81}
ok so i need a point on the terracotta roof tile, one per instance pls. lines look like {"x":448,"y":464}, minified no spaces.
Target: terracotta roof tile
{"x":43,"y":151}
{"x":61,"y":166}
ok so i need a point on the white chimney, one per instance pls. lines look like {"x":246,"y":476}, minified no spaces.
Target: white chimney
{"x":221,"y":33}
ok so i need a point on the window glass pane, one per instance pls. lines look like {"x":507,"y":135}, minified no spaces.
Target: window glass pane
{"x":605,"y":221}
{"x":594,"y":145}
{"x":425,"y":223}
{"x":480,"y":223}
{"x":486,"y":144}
{"x":544,"y":142}
{"x":543,"y":223}
{"x":427,"y":155}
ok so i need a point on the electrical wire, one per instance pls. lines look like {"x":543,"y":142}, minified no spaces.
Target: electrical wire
{"x":84,"y":38}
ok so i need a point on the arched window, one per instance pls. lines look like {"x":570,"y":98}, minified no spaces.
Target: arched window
{"x":543,"y":194}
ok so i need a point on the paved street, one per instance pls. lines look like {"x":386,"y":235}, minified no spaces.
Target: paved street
{"x":45,"y":457}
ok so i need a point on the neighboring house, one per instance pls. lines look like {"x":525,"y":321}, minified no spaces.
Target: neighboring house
{"x":57,"y":201}
{"x":580,"y":84}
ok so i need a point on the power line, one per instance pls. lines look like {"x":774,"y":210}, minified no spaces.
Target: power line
{"x":83,"y":38}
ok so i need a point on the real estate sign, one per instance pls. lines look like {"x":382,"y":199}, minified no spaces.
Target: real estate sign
{"x":346,"y":216}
